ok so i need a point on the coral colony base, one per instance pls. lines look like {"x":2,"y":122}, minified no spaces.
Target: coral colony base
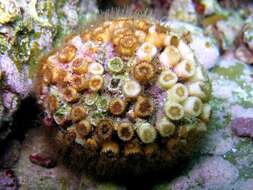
{"x":127,"y":96}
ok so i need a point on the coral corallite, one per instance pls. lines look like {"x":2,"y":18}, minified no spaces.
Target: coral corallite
{"x":127,"y":96}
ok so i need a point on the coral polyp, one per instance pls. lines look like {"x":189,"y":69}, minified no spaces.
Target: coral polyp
{"x":127,"y":93}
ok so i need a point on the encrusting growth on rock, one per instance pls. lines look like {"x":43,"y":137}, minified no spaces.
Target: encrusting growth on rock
{"x":124,"y":91}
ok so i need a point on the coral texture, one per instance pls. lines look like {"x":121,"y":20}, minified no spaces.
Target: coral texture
{"x":125,"y":93}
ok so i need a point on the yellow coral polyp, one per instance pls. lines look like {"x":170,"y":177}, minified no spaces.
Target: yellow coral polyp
{"x":96,"y":83}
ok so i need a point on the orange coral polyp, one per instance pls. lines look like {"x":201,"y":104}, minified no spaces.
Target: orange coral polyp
{"x":83,"y":128}
{"x":144,"y":107}
{"x":78,"y":112}
{"x":127,"y":45}
{"x":104,"y":129}
{"x":110,"y":149}
{"x":80,"y":66}
{"x":117,"y":106}
{"x":144,"y":71}
{"x":132,"y":148}
{"x":70,"y":94}
{"x":125,"y":131}
{"x":67,"y":54}
{"x":52,"y":103}
{"x":79,"y":83}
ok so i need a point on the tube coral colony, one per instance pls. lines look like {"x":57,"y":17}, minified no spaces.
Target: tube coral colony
{"x":126,"y":93}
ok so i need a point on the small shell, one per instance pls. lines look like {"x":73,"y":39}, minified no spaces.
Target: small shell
{"x":142,"y":25}
{"x":69,"y":137}
{"x":197,"y":89}
{"x":61,"y":77}
{"x":178,"y":93}
{"x":146,"y":52}
{"x":50,"y":73}
{"x":155,"y":37}
{"x":206,"y":113}
{"x":91,"y":144}
{"x":165,"y":127}
{"x":101,"y":34}
{"x":115,"y":65}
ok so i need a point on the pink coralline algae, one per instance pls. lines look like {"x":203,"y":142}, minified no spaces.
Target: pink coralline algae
{"x":8,"y":180}
{"x":243,"y":127}
{"x":15,"y":85}
{"x":15,"y":81}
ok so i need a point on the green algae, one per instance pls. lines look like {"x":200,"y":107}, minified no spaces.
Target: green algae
{"x":242,"y":157}
{"x":220,"y":117}
{"x":239,"y":74}
{"x":234,"y":72}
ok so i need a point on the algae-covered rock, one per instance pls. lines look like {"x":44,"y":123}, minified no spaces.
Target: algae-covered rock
{"x":28,"y":29}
